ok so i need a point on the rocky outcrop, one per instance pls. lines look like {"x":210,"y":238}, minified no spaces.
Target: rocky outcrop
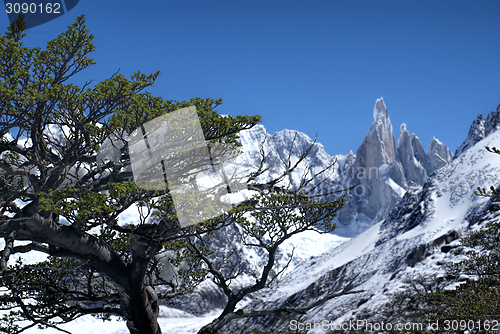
{"x":348,"y":165}
{"x":480,"y":129}
{"x":412,"y":156}
{"x":378,"y":147}
{"x":438,"y":155}
{"x":377,"y":171}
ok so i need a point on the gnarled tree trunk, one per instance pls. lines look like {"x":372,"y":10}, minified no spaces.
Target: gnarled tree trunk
{"x":140,"y":308}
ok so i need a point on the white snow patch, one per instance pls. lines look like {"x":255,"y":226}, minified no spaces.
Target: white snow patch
{"x":400,"y":191}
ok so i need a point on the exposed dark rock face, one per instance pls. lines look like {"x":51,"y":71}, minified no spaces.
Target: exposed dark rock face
{"x":447,"y":238}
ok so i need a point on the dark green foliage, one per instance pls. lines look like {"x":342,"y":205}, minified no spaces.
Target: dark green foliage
{"x":295,"y":214}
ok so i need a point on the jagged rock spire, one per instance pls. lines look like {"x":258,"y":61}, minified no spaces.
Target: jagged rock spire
{"x":378,"y":147}
{"x":380,"y":115}
{"x":379,"y":175}
{"x":438,"y":155}
{"x":412,"y":156}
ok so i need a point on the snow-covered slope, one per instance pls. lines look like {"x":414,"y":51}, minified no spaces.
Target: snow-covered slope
{"x":480,"y":128}
{"x":406,"y":244}
{"x":278,"y":148}
{"x":173,"y":320}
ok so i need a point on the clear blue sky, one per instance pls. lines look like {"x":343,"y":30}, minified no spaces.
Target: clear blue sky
{"x":308,"y":65}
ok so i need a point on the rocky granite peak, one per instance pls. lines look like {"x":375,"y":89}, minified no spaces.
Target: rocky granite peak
{"x":385,"y":172}
{"x":379,"y":175}
{"x":412,"y":156}
{"x":438,"y":155}
{"x":380,"y":114}
{"x":378,"y":147}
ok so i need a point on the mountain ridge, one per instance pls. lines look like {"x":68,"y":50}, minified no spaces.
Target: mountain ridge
{"x":383,"y":170}
{"x":418,"y":235}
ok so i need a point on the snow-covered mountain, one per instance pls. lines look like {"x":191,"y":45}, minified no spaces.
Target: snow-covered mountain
{"x":419,"y":234}
{"x":404,"y":222}
{"x":383,"y":170}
